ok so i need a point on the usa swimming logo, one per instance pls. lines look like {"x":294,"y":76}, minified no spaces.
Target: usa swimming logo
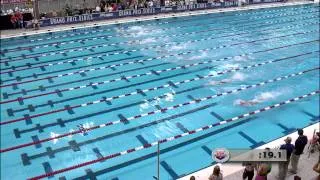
{"x":220,"y":155}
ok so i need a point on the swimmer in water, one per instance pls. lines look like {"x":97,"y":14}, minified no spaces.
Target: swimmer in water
{"x":223,"y":81}
{"x":248,"y":103}
{"x":82,"y":129}
{"x":256,"y":100}
{"x":234,"y":78}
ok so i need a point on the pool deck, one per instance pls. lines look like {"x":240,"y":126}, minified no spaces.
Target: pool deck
{"x":234,"y":171}
{"x":4,"y":34}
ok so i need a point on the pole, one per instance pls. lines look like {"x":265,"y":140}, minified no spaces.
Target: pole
{"x":158,"y":167}
{"x":36,"y":12}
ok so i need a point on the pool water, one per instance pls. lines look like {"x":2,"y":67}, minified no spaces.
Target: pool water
{"x":93,"y":103}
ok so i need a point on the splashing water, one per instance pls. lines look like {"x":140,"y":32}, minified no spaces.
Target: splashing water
{"x":238,"y":76}
{"x":135,"y":29}
{"x":230,"y":66}
{"x":240,"y":58}
{"x":169,"y":97}
{"x":70,"y":131}
{"x":201,"y":56}
{"x":266,"y":96}
{"x":262,"y":97}
{"x":178,"y":47}
{"x":143,"y":106}
{"x":53,"y":135}
{"x":147,"y":40}
{"x":147,"y":104}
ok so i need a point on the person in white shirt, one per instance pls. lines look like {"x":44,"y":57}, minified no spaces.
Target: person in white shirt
{"x":98,"y":9}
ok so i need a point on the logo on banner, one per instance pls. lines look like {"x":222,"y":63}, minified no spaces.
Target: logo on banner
{"x":220,"y":155}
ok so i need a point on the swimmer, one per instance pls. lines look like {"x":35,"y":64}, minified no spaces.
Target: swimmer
{"x":162,"y":52}
{"x":82,"y":129}
{"x":248,"y":103}
{"x":223,"y":81}
{"x":234,"y":78}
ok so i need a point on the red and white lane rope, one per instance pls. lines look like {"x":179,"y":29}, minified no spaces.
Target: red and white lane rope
{"x":106,"y":45}
{"x":150,"y":24}
{"x":146,"y":90}
{"x":204,"y":128}
{"x":93,"y":69}
{"x":159,"y":111}
{"x":128,"y":42}
{"x":144,"y":60}
{"x":103,"y":36}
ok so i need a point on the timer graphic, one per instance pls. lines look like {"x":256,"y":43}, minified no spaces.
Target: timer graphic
{"x":270,"y":155}
{"x":258,"y":155}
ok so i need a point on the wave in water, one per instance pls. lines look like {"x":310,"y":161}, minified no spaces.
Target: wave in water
{"x":260,"y":98}
{"x":197,"y":57}
{"x":235,"y":77}
{"x":53,"y":135}
{"x":239,"y":76}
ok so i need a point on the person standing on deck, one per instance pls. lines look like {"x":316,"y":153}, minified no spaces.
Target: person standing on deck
{"x":300,"y":143}
{"x":283,"y":166}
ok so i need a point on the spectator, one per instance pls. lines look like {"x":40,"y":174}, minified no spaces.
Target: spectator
{"x":192,"y":178}
{"x":283,"y":166}
{"x":114,"y":7}
{"x":248,"y":171}
{"x":19,"y":19}
{"x":296,"y":178}
{"x":35,"y":24}
{"x":102,"y":5}
{"x":314,"y":143}
{"x":150,"y":3}
{"x":300,"y":143}
{"x":14,"y":21}
{"x":216,"y":174}
{"x":98,"y":9}
{"x":263,"y":169}
{"x":316,"y":168}
{"x":110,"y":8}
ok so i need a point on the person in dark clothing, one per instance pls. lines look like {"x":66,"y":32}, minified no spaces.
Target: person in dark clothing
{"x":248,"y":171}
{"x":283,"y":166}
{"x":300,"y":143}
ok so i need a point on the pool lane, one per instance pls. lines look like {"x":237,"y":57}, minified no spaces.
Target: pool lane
{"x":35,"y":76}
{"x":145,"y":146}
{"x":126,"y":120}
{"x":105,"y":82}
{"x":90,"y":49}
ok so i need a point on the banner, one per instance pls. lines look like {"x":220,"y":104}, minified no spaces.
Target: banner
{"x":135,"y":12}
{"x":12,"y":1}
{"x":263,"y":1}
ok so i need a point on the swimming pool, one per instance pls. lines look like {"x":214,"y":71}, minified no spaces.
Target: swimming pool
{"x":178,"y":82}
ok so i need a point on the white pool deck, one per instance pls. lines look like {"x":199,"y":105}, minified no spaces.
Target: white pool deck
{"x":232,"y":171}
{"x":4,"y":34}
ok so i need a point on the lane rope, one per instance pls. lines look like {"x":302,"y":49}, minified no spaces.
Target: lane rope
{"x":150,"y":89}
{"x":31,"y":66}
{"x":93,"y":69}
{"x":204,"y":128}
{"x":160,"y":110}
{"x":38,"y":55}
{"x":160,"y":23}
{"x":143,"y":60}
{"x":82,"y":40}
